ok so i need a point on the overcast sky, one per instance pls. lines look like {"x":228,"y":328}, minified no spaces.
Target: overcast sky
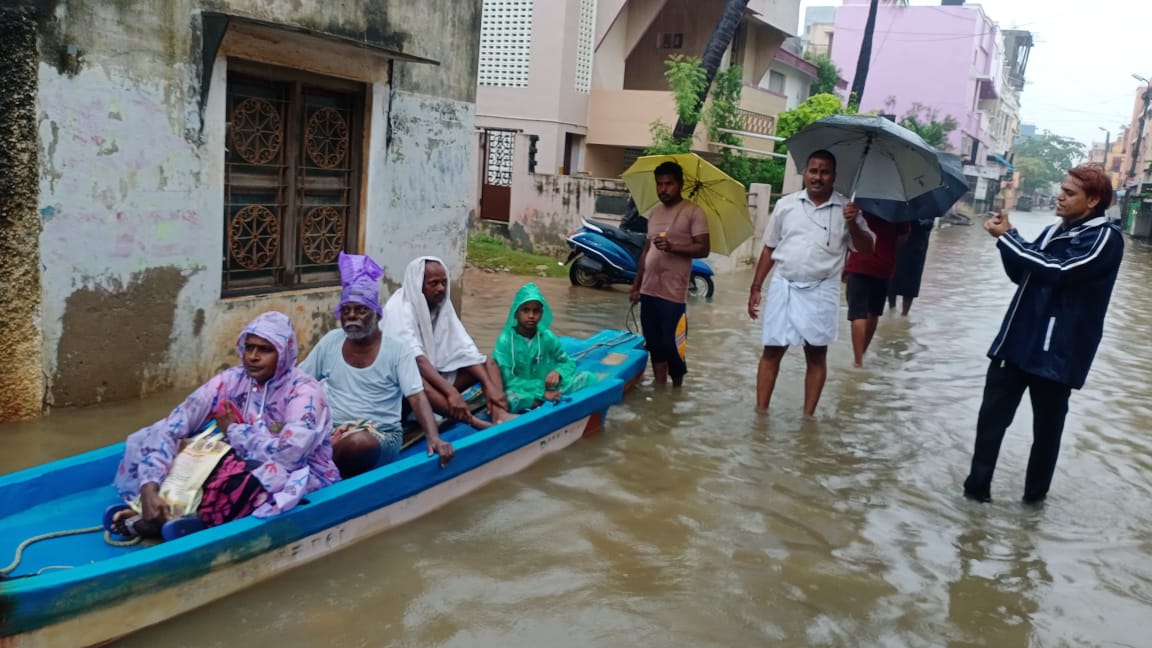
{"x":1079,"y":72}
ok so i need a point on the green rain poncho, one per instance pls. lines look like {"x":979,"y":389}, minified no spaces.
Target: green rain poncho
{"x":526,"y":362}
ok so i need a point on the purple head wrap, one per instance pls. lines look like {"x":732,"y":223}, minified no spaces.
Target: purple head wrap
{"x":360,"y":282}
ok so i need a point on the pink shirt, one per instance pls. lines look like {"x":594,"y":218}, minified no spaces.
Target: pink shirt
{"x":666,"y":274}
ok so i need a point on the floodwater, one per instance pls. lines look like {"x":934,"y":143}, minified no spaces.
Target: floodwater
{"x":691,"y":521}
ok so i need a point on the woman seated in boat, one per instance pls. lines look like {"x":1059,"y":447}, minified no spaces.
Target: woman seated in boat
{"x":532,"y":363}
{"x":276,"y":420}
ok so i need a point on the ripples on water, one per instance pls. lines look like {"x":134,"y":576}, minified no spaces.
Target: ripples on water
{"x":691,"y":521}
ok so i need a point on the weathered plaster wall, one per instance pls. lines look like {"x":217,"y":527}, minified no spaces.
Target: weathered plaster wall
{"x":131,"y":179}
{"x":21,"y":378}
{"x":421,"y":191}
{"x":545,"y":209}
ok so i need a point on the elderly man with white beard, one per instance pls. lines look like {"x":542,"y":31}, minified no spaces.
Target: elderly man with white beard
{"x":366,"y":376}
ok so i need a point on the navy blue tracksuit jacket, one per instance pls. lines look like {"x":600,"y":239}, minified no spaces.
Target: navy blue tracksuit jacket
{"x":1064,"y":282}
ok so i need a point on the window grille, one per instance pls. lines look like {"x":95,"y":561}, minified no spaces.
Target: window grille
{"x":292,"y":171}
{"x":505,"y":43}
{"x":585,"y":45}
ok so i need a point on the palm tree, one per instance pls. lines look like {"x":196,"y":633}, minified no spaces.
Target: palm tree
{"x":865,"y":59}
{"x":713,"y":54}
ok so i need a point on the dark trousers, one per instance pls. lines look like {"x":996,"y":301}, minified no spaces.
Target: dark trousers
{"x":659,"y":319}
{"x":1003,"y":389}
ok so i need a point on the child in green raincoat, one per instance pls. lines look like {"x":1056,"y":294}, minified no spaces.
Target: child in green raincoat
{"x":532,"y":363}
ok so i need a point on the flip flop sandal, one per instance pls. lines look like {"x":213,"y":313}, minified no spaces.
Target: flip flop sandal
{"x":181,"y":527}
{"x":110,"y":514}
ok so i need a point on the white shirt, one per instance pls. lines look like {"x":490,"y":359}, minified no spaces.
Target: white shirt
{"x":373,"y":392}
{"x":809,"y":242}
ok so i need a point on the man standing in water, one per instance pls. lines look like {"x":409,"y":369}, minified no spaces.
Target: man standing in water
{"x":806,"y":240}
{"x":677,"y":233}
{"x":1052,"y":329}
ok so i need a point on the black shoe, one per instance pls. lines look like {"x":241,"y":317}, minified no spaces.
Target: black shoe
{"x":1033,"y":502}
{"x":983,"y":498}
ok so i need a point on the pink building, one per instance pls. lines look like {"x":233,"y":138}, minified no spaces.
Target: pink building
{"x":947,"y":57}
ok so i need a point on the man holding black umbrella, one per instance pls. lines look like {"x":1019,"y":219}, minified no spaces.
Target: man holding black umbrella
{"x":806,"y":241}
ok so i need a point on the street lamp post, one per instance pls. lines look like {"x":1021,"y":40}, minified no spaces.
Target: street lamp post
{"x":1107,"y":143}
{"x":1140,"y":129}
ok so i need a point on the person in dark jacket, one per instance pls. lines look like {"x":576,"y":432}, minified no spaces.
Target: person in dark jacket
{"x":1052,"y":328}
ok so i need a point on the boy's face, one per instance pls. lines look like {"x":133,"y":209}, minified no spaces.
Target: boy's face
{"x":528,"y":315}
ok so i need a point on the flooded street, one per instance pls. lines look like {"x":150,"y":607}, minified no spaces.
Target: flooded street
{"x":691,"y":521}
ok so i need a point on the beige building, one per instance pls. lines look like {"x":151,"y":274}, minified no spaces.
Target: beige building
{"x":1140,"y":147}
{"x":571,"y":87}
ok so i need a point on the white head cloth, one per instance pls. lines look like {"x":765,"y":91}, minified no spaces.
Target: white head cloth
{"x":406,"y":316}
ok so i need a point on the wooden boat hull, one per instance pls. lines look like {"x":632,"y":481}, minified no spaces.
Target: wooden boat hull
{"x":123,"y":590}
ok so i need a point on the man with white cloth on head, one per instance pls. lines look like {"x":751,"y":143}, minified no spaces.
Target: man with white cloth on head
{"x":806,"y":241}
{"x":421,"y":314}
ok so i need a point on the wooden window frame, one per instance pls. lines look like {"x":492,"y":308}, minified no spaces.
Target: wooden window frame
{"x":291,"y":273}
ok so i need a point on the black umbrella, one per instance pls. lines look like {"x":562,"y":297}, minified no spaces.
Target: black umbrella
{"x":928,"y":206}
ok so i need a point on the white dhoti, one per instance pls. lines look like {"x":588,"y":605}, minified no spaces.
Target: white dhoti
{"x":801,"y":312}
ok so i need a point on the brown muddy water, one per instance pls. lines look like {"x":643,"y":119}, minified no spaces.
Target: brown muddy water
{"x":691,"y":521}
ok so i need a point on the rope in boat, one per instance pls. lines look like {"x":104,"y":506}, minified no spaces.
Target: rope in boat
{"x":630,"y":321}
{"x":618,"y":340}
{"x":4,"y":572}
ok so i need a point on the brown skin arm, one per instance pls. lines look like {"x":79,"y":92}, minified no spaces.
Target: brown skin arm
{"x":423,"y":411}
{"x":153,"y":507}
{"x":490,"y":382}
{"x":634,"y":293}
{"x":763,"y":267}
{"x":432,"y":378}
{"x":699,"y":248}
{"x":861,"y":241}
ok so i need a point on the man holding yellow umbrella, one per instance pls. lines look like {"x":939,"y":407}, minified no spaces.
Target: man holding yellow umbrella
{"x":713,"y":218}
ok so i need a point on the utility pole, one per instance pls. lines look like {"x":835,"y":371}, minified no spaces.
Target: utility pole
{"x":1136,"y":148}
{"x":1107,"y":143}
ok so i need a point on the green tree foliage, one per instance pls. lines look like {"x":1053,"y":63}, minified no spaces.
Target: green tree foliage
{"x":827,"y":74}
{"x":722,"y":112}
{"x":684,"y":75}
{"x":1044,"y":159}
{"x":1034,"y":174}
{"x":718,"y":43}
{"x":813,"y":109}
{"x":686,"y":79}
{"x":789,"y":122}
{"x":925,"y":121}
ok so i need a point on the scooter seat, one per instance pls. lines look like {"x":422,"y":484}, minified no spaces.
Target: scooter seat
{"x":624,"y":237}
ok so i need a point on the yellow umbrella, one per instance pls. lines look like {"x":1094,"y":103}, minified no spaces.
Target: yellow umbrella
{"x":723,"y":199}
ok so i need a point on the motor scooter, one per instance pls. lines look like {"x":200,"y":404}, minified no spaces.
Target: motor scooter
{"x":604,"y":254}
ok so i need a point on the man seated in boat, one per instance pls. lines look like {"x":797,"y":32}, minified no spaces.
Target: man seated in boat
{"x":274,"y":417}
{"x":421,"y":314}
{"x":367,"y":376}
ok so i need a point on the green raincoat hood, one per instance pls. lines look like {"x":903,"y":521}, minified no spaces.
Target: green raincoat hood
{"x":529,"y":292}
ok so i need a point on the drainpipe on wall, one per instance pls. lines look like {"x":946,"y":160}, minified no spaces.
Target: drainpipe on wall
{"x":21,"y":372}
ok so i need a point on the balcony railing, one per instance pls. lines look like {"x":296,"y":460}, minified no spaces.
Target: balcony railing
{"x":756,"y":123}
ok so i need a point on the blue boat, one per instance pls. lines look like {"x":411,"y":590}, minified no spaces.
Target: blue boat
{"x":79,"y":590}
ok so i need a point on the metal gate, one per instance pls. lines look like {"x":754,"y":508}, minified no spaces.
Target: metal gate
{"x":496,"y":188}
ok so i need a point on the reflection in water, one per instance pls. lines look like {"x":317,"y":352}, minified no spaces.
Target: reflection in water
{"x":692,"y":521}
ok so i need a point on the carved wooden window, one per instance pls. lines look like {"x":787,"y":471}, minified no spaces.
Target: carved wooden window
{"x":292,"y":171}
